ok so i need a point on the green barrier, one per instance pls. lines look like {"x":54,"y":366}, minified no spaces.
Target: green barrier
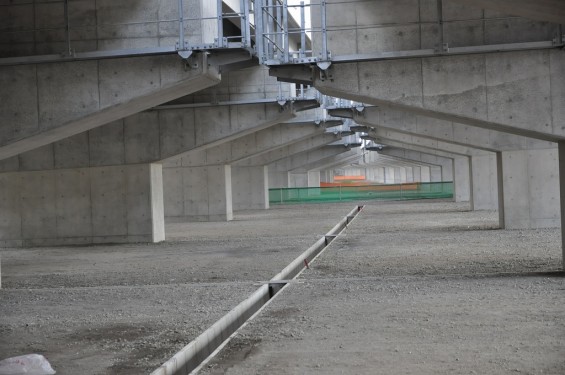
{"x":420,"y":190}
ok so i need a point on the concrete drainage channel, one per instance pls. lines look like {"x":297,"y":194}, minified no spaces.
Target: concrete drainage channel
{"x":214,"y":338}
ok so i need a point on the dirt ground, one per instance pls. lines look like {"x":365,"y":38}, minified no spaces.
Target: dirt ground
{"x":126,"y":309}
{"x":415,"y":288}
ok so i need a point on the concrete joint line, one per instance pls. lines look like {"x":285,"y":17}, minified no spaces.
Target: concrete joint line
{"x":197,"y":353}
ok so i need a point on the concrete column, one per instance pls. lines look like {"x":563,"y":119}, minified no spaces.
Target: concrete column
{"x":417,"y":173}
{"x":250,"y":188}
{"x":462,"y":179}
{"x":82,"y":206}
{"x":531,"y":189}
{"x":561,"y":148}
{"x":410,"y":174}
{"x":436,"y":174}
{"x":484,"y":182}
{"x":389,"y":175}
{"x":314,"y":179}
{"x":397,"y":176}
{"x":403,"y":179}
{"x":324,"y":176}
{"x":198,"y":193}
{"x":425,"y":174}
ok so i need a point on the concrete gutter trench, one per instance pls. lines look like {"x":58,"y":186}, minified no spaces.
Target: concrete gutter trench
{"x":210,"y":342}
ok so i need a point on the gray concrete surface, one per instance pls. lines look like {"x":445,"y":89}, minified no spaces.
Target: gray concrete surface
{"x":125,"y":309}
{"x":415,"y":288}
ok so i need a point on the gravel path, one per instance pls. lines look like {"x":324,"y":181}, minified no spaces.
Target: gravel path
{"x":415,"y":288}
{"x":126,"y":309}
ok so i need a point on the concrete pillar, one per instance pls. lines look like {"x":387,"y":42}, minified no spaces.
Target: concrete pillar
{"x":436,"y":174}
{"x":250,"y":188}
{"x":403,"y":179}
{"x":561,"y":149}
{"x":410,"y":174}
{"x":198,"y":193}
{"x":314,"y":179}
{"x":484,"y":182}
{"x":379,"y":174}
{"x":425,"y":174}
{"x":417,"y":173}
{"x":389,"y":175}
{"x":462,"y":179}
{"x":397,"y":175}
{"x":82,"y":206}
{"x":531,"y":189}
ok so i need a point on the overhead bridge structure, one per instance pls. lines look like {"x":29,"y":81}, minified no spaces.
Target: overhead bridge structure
{"x":118,"y":117}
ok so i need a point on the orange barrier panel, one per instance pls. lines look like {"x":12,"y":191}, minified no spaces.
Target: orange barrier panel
{"x":366,"y":186}
{"x":348,"y":178}
{"x":344,"y":183}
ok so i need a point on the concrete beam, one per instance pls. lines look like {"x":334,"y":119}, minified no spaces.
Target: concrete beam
{"x":152,"y":136}
{"x":449,"y":131}
{"x":254,"y":145}
{"x":315,"y":159}
{"x":541,"y":10}
{"x":341,"y":158}
{"x":305,"y":145}
{"x":46,"y":103}
{"x":525,"y":89}
{"x":381,"y":135}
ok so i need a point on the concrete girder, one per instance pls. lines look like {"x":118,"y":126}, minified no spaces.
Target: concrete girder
{"x":305,"y":145}
{"x":103,"y":26}
{"x":516,"y":92}
{"x":456,"y":133}
{"x":341,"y":156}
{"x":424,"y":150}
{"x":302,"y":160}
{"x":251,"y":146}
{"x":152,"y":136}
{"x":399,"y":161}
{"x":46,"y":103}
{"x":416,"y":156}
{"x":382,"y":135}
{"x":541,"y":10}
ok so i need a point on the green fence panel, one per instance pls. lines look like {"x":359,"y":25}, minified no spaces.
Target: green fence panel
{"x":420,"y":190}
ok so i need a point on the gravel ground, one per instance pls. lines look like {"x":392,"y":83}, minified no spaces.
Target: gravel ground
{"x":415,"y":288}
{"x":125,"y":309}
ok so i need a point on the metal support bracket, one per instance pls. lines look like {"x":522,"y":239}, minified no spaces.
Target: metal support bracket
{"x":229,"y":56}
{"x":184,"y":54}
{"x":191,"y":61}
{"x":341,"y":112}
{"x":299,"y":74}
{"x":326,"y":74}
{"x":324,"y":65}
